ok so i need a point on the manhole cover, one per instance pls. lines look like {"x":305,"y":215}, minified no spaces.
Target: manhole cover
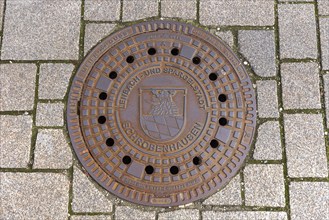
{"x":161,"y":113}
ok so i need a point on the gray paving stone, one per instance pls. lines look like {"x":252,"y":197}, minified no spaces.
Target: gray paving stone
{"x":268,"y":144}
{"x":183,"y":214}
{"x":267,"y":99}
{"x":135,"y":10}
{"x":297,"y":30}
{"x":36,"y":30}
{"x":262,"y":61}
{"x":247,"y":215}
{"x":326,"y":90}
{"x":102,"y":10}
{"x":309,"y":200}
{"x":305,"y":146}
{"x":323,"y":6}
{"x":50,"y":114}
{"x":324,"y":36}
{"x":179,"y":8}
{"x":300,"y":86}
{"x":230,"y":195}
{"x":15,"y":141}
{"x":54,"y":80}
{"x":220,"y":12}
{"x":264,"y":185}
{"x":126,"y":213}
{"x":86,"y":197}
{"x":96,"y":32}
{"x":91,"y":217}
{"x":34,"y":196}
{"x":226,"y":36}
{"x":17,"y":85}
{"x":51,"y":150}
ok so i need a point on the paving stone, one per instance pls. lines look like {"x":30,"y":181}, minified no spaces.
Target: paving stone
{"x":54,"y":80}
{"x":326,"y":90}
{"x":179,"y":8}
{"x":262,"y":62}
{"x":102,"y":10}
{"x":126,"y":213}
{"x":52,"y":150}
{"x":34,"y":195}
{"x":309,"y":200}
{"x":323,"y":6}
{"x":267,"y":99}
{"x":226,"y":36}
{"x":86,"y":197}
{"x":259,"y":215}
{"x":50,"y":114}
{"x":324,"y":36}
{"x":220,"y":12}
{"x":182,"y":214}
{"x":297,"y":30}
{"x":300,"y":85}
{"x":41,"y":30}
{"x":264,"y":185}
{"x":268,"y":145}
{"x":17,"y":84}
{"x":96,"y":32}
{"x":2,"y":3}
{"x":135,"y":10}
{"x":305,"y":146}
{"x":15,"y":141}
{"x":91,"y":217}
{"x":230,"y":195}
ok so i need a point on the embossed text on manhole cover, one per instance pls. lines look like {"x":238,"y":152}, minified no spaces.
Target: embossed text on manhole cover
{"x":161,"y":113}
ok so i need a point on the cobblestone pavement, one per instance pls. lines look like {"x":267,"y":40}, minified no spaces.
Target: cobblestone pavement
{"x":285,"y":47}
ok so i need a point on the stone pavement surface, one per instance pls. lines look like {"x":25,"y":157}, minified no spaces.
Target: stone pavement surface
{"x":285,"y":46}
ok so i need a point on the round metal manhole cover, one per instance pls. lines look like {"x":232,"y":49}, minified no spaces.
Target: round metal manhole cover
{"x":161,"y":113}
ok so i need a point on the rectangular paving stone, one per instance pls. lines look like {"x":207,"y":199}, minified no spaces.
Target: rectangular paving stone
{"x":324,"y":36}
{"x":300,"y":86}
{"x":226,"y":36}
{"x":264,"y":185}
{"x":102,"y":10}
{"x":305,"y":146}
{"x":297,"y":30}
{"x":244,"y":215}
{"x":51,"y":150}
{"x":54,"y":80}
{"x":309,"y":200}
{"x":34,"y":195}
{"x":326,"y":92}
{"x":267,"y":99}
{"x":126,"y":213}
{"x":179,"y":8}
{"x":182,"y":214}
{"x":237,"y":12}
{"x":262,"y":61}
{"x":17,"y":85}
{"x":15,"y":141}
{"x":41,"y":30}
{"x":50,"y":114}
{"x":323,"y":6}
{"x":135,"y":10}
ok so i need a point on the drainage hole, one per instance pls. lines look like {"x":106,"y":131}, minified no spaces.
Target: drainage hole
{"x":126,"y":160}
{"x":175,"y":51}
{"x":222,"y":98}
{"x":130,"y":59}
{"x":212,"y":76}
{"x":196,"y":160}
{"x":214,"y":143}
{"x":110,"y":142}
{"x":149,"y":169}
{"x":174,"y":170}
{"x":222,"y":121}
{"x":102,"y":96}
{"x":113,"y":75}
{"x":196,"y":60}
{"x":151,"y":51}
{"x":101,"y":119}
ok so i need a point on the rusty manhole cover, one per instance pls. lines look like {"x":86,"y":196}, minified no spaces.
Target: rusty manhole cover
{"x":161,"y":113}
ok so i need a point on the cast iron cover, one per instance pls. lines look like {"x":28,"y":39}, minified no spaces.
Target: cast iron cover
{"x":161,"y":113}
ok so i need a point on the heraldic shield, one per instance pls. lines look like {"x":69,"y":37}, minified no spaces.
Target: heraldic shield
{"x":162,"y":112}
